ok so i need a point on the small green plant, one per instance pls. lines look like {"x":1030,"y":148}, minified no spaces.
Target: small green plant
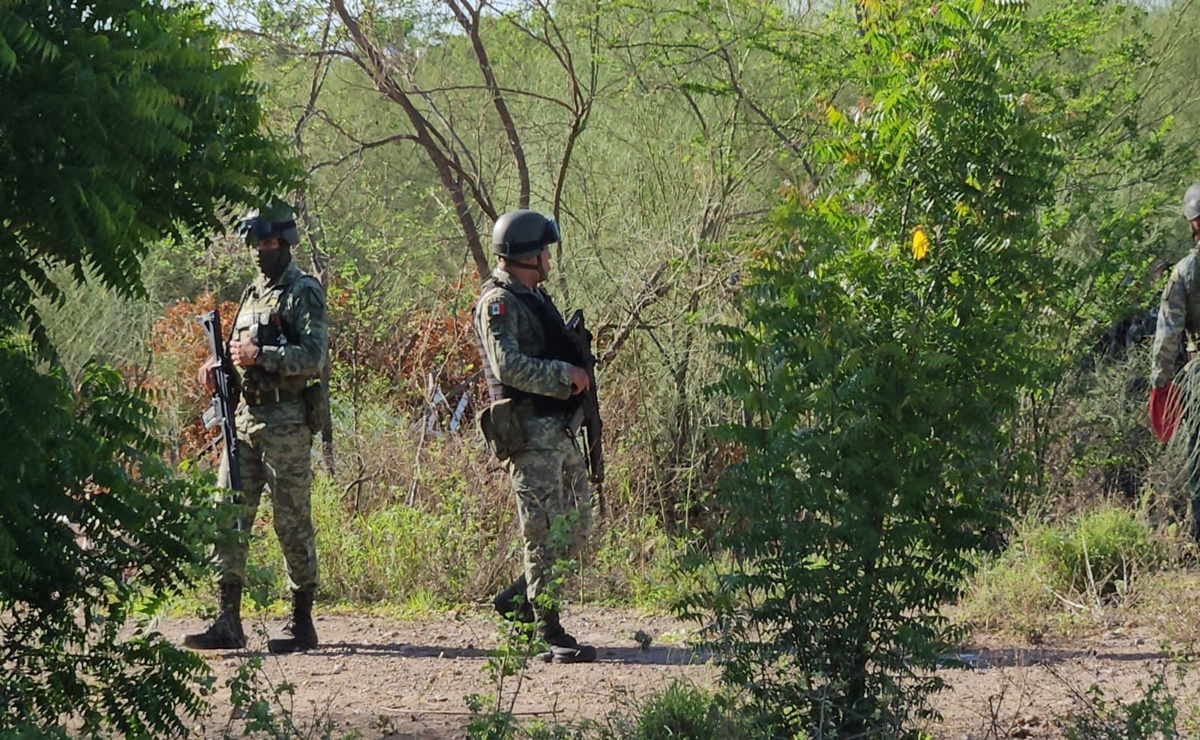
{"x":492,"y":715}
{"x":1099,"y":554}
{"x":1054,"y":575}
{"x":265,"y":707}
{"x":1057,"y":577}
{"x":1159,"y":712}
{"x":488,"y":723}
{"x":685,"y":712}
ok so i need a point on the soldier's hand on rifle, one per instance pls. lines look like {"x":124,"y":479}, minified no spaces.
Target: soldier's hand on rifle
{"x":205,"y":375}
{"x":243,"y":352}
{"x":579,"y":380}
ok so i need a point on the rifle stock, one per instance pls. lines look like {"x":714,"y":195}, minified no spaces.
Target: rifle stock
{"x":593,"y":425}
{"x":225,"y":397}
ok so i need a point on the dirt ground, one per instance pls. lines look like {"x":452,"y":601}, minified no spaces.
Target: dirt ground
{"x":383,"y":678}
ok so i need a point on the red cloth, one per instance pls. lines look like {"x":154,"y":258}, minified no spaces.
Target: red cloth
{"x":1165,"y":410}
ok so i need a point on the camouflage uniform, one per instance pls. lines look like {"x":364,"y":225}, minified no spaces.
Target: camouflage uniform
{"x":289,"y":319}
{"x":549,"y":476}
{"x":1178,"y":320}
{"x":1179,"y":327}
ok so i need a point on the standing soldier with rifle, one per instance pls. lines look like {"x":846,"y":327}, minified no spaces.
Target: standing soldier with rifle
{"x":537,"y":379}
{"x":277,"y":347}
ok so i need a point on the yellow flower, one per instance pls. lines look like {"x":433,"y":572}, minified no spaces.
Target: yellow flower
{"x":920,"y":244}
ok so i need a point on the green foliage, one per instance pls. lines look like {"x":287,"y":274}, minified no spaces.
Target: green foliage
{"x":1162,"y":711}
{"x":125,"y":122}
{"x":94,"y":533}
{"x":492,"y":716}
{"x":1055,"y":574}
{"x":487,"y":722}
{"x":637,"y":564}
{"x":685,"y":712}
{"x":263,"y":707}
{"x":1101,"y":552}
{"x":133,"y":123}
{"x":887,"y":338}
{"x":429,"y":554}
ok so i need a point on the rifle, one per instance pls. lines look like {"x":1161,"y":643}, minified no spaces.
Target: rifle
{"x":592,"y":428}
{"x":225,"y":397}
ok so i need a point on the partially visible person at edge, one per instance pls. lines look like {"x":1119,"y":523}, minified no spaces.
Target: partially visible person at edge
{"x":278,"y":344}
{"x":1179,"y":319}
{"x":534,"y":380}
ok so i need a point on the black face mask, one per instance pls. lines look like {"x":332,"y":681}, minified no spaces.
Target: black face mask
{"x":272,"y":262}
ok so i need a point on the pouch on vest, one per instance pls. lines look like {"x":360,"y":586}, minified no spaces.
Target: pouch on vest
{"x":501,"y":427}
{"x":316,"y":404}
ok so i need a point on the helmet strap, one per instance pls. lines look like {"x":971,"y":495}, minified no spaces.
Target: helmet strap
{"x":535,"y":265}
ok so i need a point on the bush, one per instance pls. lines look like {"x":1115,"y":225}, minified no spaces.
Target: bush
{"x":884,"y":345}
{"x":1155,"y":714}
{"x":1054,"y":572}
{"x":685,"y":712}
{"x":1100,"y":553}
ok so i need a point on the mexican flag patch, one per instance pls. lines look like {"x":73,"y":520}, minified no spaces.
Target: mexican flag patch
{"x":496,"y":309}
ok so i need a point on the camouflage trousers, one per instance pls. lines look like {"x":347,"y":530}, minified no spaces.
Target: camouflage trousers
{"x":1188,"y":382}
{"x":278,"y":457}
{"x":549,"y":479}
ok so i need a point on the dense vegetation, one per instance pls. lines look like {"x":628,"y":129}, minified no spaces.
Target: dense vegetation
{"x":862,"y":275}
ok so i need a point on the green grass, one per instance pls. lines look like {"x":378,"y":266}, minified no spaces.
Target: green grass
{"x":423,"y":557}
{"x":1056,"y":578}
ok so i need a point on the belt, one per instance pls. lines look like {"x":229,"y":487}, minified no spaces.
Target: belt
{"x":265,"y":397}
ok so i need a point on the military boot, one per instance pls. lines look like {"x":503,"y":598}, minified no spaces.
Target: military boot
{"x":512,"y":603}
{"x":299,"y":633}
{"x":225,"y":632}
{"x":563,"y":647}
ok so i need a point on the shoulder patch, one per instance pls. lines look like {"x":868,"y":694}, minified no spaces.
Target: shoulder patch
{"x":496,"y":313}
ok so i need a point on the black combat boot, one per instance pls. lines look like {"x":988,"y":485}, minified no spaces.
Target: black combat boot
{"x":225,"y":632}
{"x":512,"y":603}
{"x":299,"y":633}
{"x":563,"y":647}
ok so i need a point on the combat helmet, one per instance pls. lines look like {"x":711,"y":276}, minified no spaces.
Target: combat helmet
{"x":1191,"y":202}
{"x":523,"y":232}
{"x":276,"y":219}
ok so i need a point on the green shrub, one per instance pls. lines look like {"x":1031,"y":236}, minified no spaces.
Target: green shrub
{"x":1100,"y":552}
{"x":685,"y":711}
{"x":1053,"y":573}
{"x":1159,"y":712}
{"x":421,"y":556}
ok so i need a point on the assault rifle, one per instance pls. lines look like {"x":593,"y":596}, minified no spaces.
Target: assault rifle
{"x":225,"y":397}
{"x":593,"y":446}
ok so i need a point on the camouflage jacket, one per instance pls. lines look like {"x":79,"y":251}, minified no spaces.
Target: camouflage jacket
{"x":1178,"y":319}
{"x":288,"y":319}
{"x":513,"y":342}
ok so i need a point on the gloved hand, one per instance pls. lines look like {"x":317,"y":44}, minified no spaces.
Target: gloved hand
{"x":1165,"y":410}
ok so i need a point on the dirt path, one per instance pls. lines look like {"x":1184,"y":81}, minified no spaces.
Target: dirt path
{"x":408,"y":679}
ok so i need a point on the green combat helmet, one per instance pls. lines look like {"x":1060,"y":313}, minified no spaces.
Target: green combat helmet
{"x":523,"y":232}
{"x":1191,"y":202}
{"x":276,"y":219}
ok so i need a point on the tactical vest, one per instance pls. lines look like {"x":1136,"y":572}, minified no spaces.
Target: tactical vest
{"x":558,"y":346}
{"x":260,"y":317}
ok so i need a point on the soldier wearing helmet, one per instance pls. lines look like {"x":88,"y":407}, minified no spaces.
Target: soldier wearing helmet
{"x":277,"y":344}
{"x":534,"y":377}
{"x":1179,"y":326}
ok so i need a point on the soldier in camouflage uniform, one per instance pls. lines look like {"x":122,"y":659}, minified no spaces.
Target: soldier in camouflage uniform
{"x":278,"y":344}
{"x":534,"y":377}
{"x":1179,"y":321}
